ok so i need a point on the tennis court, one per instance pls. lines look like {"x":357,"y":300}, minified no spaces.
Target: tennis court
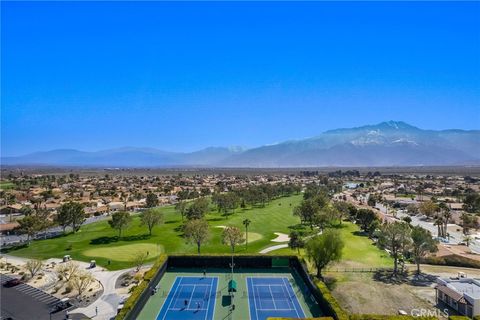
{"x":272,"y":297}
{"x":190,"y":298}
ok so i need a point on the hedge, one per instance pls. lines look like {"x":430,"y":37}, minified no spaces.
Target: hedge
{"x":458,"y":318}
{"x":320,"y":318}
{"x":387,"y":317}
{"x":340,"y":314}
{"x":139,"y":289}
{"x":452,"y":260}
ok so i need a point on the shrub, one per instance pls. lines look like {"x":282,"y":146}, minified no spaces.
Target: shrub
{"x":140,"y":288}
{"x":453,"y":260}
{"x":339,"y":313}
{"x":458,"y":318}
{"x":68,"y":289}
{"x":387,"y":317}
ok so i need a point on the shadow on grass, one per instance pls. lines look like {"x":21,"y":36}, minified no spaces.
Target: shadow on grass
{"x":387,"y":276}
{"x":215,"y":219}
{"x":107,"y":240}
{"x":171,"y":221}
{"x":331,"y":282}
{"x":360,"y":233}
{"x":423,"y":280}
{"x":14,"y":248}
{"x":297,"y":227}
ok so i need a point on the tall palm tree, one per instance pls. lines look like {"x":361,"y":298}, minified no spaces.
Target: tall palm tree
{"x":246,"y":223}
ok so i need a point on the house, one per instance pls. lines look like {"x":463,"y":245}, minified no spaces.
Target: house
{"x":460,"y":294}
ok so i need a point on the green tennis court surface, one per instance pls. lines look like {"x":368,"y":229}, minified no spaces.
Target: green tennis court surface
{"x":260,"y":293}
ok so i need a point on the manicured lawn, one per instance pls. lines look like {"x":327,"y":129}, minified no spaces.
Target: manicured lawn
{"x":6,"y":185}
{"x":99,"y":242}
{"x":359,"y":251}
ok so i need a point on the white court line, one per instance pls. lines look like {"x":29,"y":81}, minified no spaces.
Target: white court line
{"x":190,"y":300}
{"x":293,"y":302}
{"x":273,"y":299}
{"x":173,"y":298}
{"x":275,"y":309}
{"x":290,"y":298}
{"x":254,"y":299}
{"x":180,"y":309}
{"x":208,"y":301}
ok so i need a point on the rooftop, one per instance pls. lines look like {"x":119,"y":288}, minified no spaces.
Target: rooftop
{"x":467,"y":286}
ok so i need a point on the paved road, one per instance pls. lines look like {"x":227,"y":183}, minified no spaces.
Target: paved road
{"x":273,"y":248}
{"x":50,"y":233}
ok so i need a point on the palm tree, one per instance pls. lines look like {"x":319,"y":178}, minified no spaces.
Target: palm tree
{"x":439,"y":223}
{"x":467,"y":240}
{"x":246,"y":223}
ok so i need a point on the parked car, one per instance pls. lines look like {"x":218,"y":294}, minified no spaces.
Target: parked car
{"x":12,"y":283}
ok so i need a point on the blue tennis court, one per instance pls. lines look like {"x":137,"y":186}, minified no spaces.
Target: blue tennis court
{"x":272,"y":297}
{"x":190,"y":298}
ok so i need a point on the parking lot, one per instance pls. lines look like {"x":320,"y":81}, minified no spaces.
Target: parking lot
{"x":27,"y":302}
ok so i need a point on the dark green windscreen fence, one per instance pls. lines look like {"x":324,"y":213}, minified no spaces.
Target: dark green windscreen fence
{"x":279,"y":262}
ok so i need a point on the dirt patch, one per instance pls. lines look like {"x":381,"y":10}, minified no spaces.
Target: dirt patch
{"x":360,"y":293}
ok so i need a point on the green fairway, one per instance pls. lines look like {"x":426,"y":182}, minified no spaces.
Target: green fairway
{"x":359,"y":250}
{"x":6,"y":185}
{"x":125,"y":252}
{"x":99,"y":241}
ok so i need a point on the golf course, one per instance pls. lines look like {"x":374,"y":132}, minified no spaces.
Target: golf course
{"x":98,"y":241}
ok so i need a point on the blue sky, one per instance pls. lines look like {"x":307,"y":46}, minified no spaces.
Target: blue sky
{"x":184,"y":76}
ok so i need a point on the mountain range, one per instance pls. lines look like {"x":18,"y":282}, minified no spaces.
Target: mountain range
{"x":392,"y":143}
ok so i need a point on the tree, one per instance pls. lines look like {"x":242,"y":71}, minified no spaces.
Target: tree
{"x":428,"y":208}
{"x":307,"y":210}
{"x":196,"y":231}
{"x":343,"y":209}
{"x":422,"y":243}
{"x":29,"y":225}
{"x":198,"y":209}
{"x":395,"y":237}
{"x":366,"y":218}
{"x":324,"y":249}
{"x":44,"y":222}
{"x":120,"y":220}
{"x":407,"y":219}
{"x":296,"y":241}
{"x":232,"y":236}
{"x":181,"y":207}
{"x":445,"y":214}
{"x":68,"y":270}
{"x":467,"y":240}
{"x":33,"y":266}
{"x":469,"y":221}
{"x":152,"y":200}
{"x":26,"y":210}
{"x":471,"y":203}
{"x":81,"y":281}
{"x":139,"y":259}
{"x":246,"y":223}
{"x":151,"y":218}
{"x":71,"y":214}
{"x":412,"y":209}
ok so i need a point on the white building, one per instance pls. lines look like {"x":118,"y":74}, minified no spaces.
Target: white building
{"x":460,"y":294}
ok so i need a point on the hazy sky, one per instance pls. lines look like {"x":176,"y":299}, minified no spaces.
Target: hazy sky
{"x":183,"y":76}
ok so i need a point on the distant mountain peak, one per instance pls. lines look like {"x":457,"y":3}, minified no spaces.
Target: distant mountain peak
{"x":396,"y":125}
{"x":389,"y":143}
